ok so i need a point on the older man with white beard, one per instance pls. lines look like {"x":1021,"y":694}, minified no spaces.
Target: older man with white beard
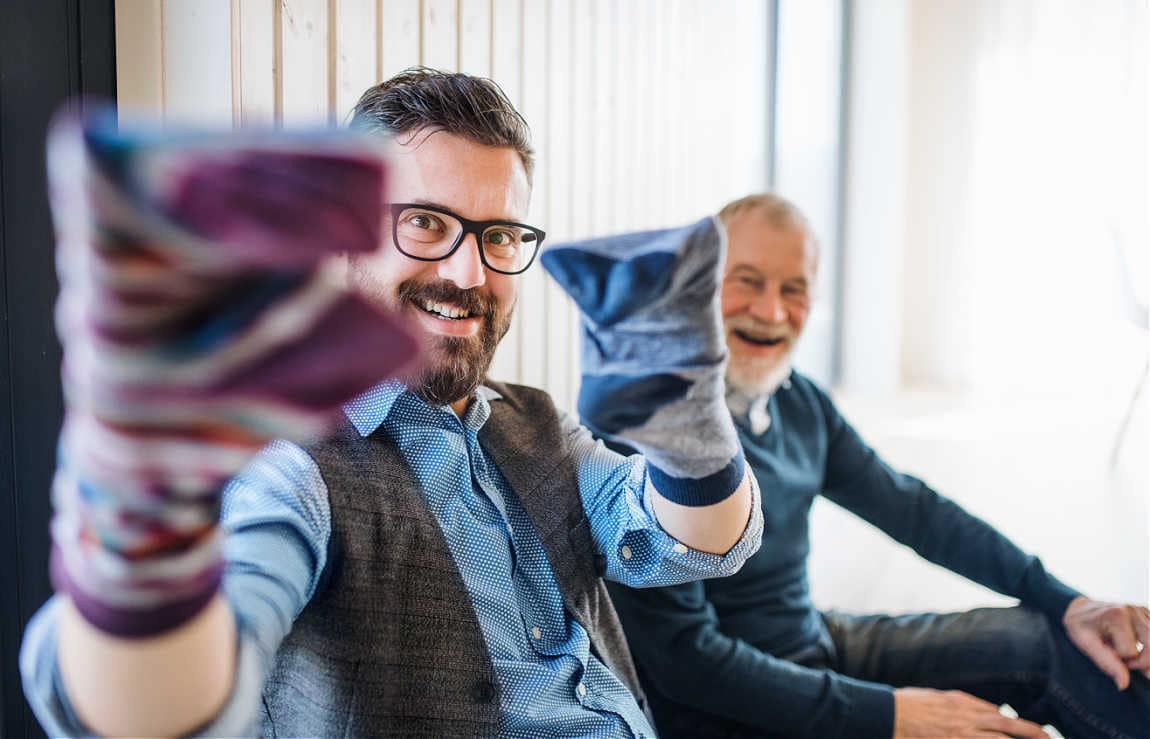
{"x":750,"y":656}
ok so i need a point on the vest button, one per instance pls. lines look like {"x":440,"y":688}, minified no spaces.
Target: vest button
{"x":484,"y":691}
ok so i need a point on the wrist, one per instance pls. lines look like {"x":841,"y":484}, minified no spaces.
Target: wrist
{"x":1072,"y":606}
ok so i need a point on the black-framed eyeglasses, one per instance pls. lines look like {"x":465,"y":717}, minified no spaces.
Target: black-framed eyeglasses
{"x":429,"y":234}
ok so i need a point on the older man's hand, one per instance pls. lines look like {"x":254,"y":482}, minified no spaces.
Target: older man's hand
{"x":943,"y":714}
{"x":1115,"y":637}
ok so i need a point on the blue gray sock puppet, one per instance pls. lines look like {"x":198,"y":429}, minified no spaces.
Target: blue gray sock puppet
{"x":654,"y":355}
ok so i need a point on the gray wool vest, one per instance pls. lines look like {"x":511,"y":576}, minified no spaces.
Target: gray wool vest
{"x":390,"y":644}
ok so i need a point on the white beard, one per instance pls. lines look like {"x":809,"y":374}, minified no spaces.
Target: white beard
{"x":756,"y":378}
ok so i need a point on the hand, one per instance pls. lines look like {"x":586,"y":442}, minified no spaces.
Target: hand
{"x":921,"y":712}
{"x":1113,"y":636}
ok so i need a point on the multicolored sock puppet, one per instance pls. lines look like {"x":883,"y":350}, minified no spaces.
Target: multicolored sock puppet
{"x":654,"y":355}
{"x":202,"y":314}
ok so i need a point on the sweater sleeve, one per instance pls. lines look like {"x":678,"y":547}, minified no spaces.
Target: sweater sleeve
{"x":935,"y":527}
{"x":674,"y":636}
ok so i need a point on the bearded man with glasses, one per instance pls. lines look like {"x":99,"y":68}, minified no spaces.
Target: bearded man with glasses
{"x":436,"y":567}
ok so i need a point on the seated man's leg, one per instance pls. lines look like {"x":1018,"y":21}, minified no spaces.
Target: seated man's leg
{"x":1002,"y":655}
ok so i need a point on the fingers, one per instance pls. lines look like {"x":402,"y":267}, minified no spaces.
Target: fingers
{"x":992,"y":721}
{"x":1140,"y":619}
{"x":1016,"y":727}
{"x":1105,"y":657}
{"x":1119,"y":630}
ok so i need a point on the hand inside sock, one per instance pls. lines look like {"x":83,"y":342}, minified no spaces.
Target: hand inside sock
{"x":200,"y":317}
{"x":654,"y":355}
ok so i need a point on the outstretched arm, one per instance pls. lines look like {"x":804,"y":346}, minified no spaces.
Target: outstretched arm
{"x":935,"y":527}
{"x":653,"y":362}
{"x":200,"y":317}
{"x":1112,"y":635}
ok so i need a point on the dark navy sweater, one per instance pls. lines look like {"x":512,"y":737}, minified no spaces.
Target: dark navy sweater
{"x":713,"y":645}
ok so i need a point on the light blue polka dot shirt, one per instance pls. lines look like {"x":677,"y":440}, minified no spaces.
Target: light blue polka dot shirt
{"x":551,"y":685}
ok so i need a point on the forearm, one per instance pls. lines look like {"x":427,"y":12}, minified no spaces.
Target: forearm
{"x":195,"y":328}
{"x":714,"y":528}
{"x":676,"y":640}
{"x":740,"y":683}
{"x":944,"y":533}
{"x":935,"y":527}
{"x":126,"y":687}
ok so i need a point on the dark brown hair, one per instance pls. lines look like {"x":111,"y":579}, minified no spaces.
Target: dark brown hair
{"x":421,"y":98}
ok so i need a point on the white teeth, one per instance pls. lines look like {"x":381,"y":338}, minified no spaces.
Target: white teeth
{"x":445,"y":311}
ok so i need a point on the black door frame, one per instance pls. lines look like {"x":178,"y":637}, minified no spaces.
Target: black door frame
{"x":50,"y":51}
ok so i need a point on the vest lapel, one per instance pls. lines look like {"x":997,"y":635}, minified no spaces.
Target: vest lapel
{"x":526,"y":441}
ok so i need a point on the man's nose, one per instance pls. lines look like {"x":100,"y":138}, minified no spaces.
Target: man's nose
{"x":464,"y":267}
{"x":769,"y":307}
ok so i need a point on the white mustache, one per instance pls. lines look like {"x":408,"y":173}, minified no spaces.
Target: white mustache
{"x":759,"y":330}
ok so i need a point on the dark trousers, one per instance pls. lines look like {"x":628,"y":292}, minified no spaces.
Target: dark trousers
{"x":1002,"y":655}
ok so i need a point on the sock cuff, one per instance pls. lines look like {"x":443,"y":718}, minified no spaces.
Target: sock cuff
{"x":699,"y":491}
{"x":138,"y":622}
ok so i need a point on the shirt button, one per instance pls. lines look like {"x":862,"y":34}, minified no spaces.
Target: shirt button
{"x":581,"y":689}
{"x":680,"y":548}
{"x":535,"y":632}
{"x":625,"y":551}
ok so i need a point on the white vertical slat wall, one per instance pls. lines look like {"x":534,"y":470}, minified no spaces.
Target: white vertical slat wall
{"x":645,"y":113}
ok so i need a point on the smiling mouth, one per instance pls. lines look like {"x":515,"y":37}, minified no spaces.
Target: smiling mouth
{"x":759,"y":341}
{"x":443,"y":311}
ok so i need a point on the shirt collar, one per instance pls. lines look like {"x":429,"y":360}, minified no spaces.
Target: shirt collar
{"x":368,"y":411}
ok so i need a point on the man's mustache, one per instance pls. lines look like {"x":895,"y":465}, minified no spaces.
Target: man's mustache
{"x":759,"y":329}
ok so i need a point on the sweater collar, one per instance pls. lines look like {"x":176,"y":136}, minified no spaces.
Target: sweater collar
{"x":753,"y":412}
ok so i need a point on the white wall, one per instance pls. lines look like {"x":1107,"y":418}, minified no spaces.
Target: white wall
{"x":996,"y":149}
{"x":877,"y":192}
{"x":645,"y":113}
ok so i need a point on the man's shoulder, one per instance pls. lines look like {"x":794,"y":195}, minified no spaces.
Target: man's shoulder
{"x":521,"y":397}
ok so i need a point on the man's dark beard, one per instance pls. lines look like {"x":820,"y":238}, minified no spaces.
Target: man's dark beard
{"x":457,"y":364}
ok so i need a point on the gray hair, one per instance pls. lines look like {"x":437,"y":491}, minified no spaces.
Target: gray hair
{"x":778,"y":210}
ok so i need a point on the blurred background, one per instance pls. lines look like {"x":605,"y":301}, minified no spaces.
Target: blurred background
{"x":977,"y":171}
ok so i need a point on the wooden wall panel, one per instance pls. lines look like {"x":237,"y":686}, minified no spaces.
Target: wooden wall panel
{"x":255,"y":55}
{"x":400,"y":37}
{"x":561,"y":216}
{"x":506,"y":34}
{"x":140,"y":59}
{"x":440,"y":35}
{"x":533,"y":357}
{"x":356,"y":52}
{"x":634,"y":123}
{"x":475,"y":37}
{"x":197,"y":75}
{"x":305,"y":85}
{"x":606,"y":122}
